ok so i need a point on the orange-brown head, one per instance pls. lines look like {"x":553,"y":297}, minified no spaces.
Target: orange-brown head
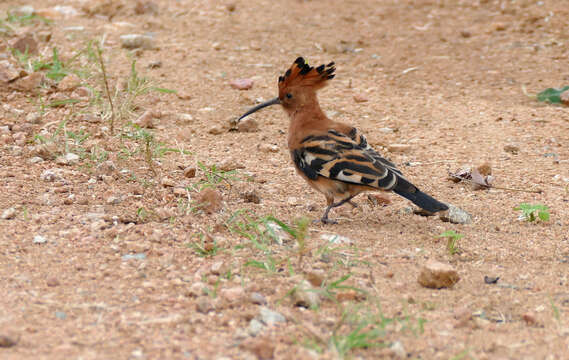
{"x":298,"y":86}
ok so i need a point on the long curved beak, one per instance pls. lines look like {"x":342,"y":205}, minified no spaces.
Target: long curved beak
{"x":274,"y":101}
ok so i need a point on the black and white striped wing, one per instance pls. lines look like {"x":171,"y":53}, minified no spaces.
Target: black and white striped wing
{"x":345,"y":158}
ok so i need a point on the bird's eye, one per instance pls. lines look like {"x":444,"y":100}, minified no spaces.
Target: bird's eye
{"x":288,"y":95}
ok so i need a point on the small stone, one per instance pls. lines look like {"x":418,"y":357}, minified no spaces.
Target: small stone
{"x":51,"y":282}
{"x":216,"y":267}
{"x":216,"y":130}
{"x":44,"y":36}
{"x":29,"y":83}
{"x":232,"y":295}
{"x":229,"y":164}
{"x":9,"y":213}
{"x":465,"y":34}
{"x":25,"y":44}
{"x":398,"y":350}
{"x":251,"y":196}
{"x":565,"y":97}
{"x":136,"y":41}
{"x":155,"y":64}
{"x":182,"y":95}
{"x":512,"y":149}
{"x":241,"y":84}
{"x":360,"y":98}
{"x":499,"y":26}
{"x":263,"y":349}
{"x":204,"y":305}
{"x":268,"y":148}
{"x":258,"y":299}
{"x":50,"y":175}
{"x":305,"y":295}
{"x":231,"y":7}
{"x":190,"y":172}
{"x":69,"y":83}
{"x":529,"y":318}
{"x":6,"y":341}
{"x":167,"y":182}
{"x":248,"y":125}
{"x":399,"y":148}
{"x":113,"y":200}
{"x":210,"y":200}
{"x":255,"y":327}
{"x":137,"y":256}
{"x":33,"y":117}
{"x":8,"y":72}
{"x":107,"y":168}
{"x":145,"y":120}
{"x":180,"y":192}
{"x":455,"y":215}
{"x":185,"y":117}
{"x":386,"y":130}
{"x":270,"y":317}
{"x":436,"y":275}
{"x":61,"y":315}
{"x":145,"y":7}
{"x":38,"y":239}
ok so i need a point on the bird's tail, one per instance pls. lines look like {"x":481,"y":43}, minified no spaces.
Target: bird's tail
{"x":419,"y":198}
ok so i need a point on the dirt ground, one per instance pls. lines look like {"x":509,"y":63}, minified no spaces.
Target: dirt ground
{"x":122,"y":252}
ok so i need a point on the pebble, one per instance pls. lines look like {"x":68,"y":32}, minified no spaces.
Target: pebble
{"x":38,"y":239}
{"x":6,"y":341}
{"x":241,"y":84}
{"x":512,"y":149}
{"x":565,"y":97}
{"x":255,"y":327}
{"x":455,"y":215}
{"x":398,"y":350}
{"x":8,"y":72}
{"x":9,"y":213}
{"x":251,"y":196}
{"x":145,"y":120}
{"x":248,"y":125}
{"x":106,"y":168}
{"x":436,"y":275}
{"x":204,"y":305}
{"x":399,"y":148}
{"x":45,"y":151}
{"x":137,"y":256}
{"x":211,"y":200}
{"x":268,"y":148}
{"x":69,"y":83}
{"x":232,"y":295}
{"x":25,"y":43}
{"x":529,"y":318}
{"x":33,"y":117}
{"x":190,"y":172}
{"x":167,"y":182}
{"x":386,"y":130}
{"x":61,"y":315}
{"x":229,"y":164}
{"x":136,"y":41}
{"x":67,"y":159}
{"x":216,"y":130}
{"x":258,"y":299}
{"x":51,"y":282}
{"x":270,"y":317}
{"x":185,"y":117}
{"x":113,"y":200}
{"x":305,"y":296}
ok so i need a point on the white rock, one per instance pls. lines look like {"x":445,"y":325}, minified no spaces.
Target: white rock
{"x":136,"y":41}
{"x":38,"y":239}
{"x":9,"y":213}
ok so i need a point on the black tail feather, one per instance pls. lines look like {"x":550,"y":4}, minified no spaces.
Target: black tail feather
{"x":419,"y":198}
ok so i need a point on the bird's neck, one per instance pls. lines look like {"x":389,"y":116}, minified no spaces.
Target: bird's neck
{"x":306,"y":118}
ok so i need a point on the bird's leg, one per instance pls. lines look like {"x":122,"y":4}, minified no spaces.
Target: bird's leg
{"x":332,"y":204}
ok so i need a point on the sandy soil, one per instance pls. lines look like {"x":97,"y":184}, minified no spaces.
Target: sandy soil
{"x":114,"y":256}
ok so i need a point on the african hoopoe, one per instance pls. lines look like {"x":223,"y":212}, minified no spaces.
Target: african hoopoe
{"x":334,"y":158}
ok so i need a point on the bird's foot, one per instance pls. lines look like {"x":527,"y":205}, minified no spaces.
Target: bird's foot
{"x":325,"y":221}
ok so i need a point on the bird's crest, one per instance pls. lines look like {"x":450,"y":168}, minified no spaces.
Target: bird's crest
{"x":302,"y":74}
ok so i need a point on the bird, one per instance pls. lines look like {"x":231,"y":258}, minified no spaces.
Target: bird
{"x":333,"y":157}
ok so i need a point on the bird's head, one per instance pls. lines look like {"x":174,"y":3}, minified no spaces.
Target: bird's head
{"x":298,"y":86}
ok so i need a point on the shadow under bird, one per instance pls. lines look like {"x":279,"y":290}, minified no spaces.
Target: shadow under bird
{"x":334,"y":158}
